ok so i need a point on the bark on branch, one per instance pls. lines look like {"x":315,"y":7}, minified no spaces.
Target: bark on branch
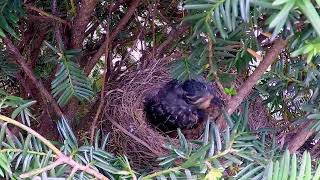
{"x":45,"y":14}
{"x":247,"y":86}
{"x":163,"y":48}
{"x":92,"y":62}
{"x":173,"y":35}
{"x":302,"y":135}
{"x":14,"y":52}
{"x":81,"y":21}
{"x":112,"y":8}
{"x":61,"y":158}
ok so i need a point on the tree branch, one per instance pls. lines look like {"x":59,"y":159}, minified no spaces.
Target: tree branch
{"x":92,"y":28}
{"x":174,"y":34}
{"x":247,"y":86}
{"x":21,"y":61}
{"x":112,"y":8}
{"x":302,"y":135}
{"x":57,"y":32}
{"x":116,"y":5}
{"x":61,"y":158}
{"x":212,"y":71}
{"x":46,"y":14}
{"x":92,"y":62}
{"x":104,"y":79}
{"x":81,"y":21}
{"x":36,"y":49}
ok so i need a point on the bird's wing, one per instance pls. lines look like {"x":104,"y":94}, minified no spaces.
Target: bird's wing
{"x":171,"y":107}
{"x":180,"y":113}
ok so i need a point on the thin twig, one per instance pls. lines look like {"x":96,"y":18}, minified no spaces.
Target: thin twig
{"x":44,"y":169}
{"x":163,"y":17}
{"x":152,"y":9}
{"x":73,"y":172}
{"x":254,"y":54}
{"x":57,"y":26}
{"x":104,"y":79}
{"x":212,"y":71}
{"x":128,"y":67}
{"x":178,"y":168}
{"x":174,"y":35}
{"x":66,"y":160}
{"x":112,"y":7}
{"x":61,"y":158}
{"x":92,"y":62}
{"x":46,"y":14}
{"x":31,"y":131}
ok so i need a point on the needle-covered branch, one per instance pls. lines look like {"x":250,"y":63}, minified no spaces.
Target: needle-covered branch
{"x":14,"y":52}
{"x":61,"y":158}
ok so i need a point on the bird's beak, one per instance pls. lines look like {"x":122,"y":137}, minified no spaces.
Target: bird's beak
{"x":204,"y":102}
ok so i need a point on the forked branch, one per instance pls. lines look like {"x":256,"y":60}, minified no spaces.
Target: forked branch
{"x":92,"y":62}
{"x":61,"y":158}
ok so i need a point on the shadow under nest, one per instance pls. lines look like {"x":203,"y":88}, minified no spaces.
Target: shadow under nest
{"x":130,"y":132}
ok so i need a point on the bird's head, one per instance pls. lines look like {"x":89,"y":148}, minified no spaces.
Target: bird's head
{"x":201,"y":94}
{"x":202,"y":101}
{"x":206,"y":101}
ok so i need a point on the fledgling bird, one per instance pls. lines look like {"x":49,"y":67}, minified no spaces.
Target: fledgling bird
{"x":181,"y":104}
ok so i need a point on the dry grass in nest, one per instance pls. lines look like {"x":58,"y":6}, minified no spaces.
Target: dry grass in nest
{"x":131,"y":134}
{"x":123,"y":116}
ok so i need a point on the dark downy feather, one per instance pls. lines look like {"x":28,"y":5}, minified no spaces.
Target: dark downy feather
{"x":172,"y":107}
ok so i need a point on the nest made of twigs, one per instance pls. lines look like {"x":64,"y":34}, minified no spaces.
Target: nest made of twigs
{"x":124,"y":117}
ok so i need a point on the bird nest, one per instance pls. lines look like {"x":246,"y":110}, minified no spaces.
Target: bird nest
{"x":131,"y":133}
{"x":124,"y":117}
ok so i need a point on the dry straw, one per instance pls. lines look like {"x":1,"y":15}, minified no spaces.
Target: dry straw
{"x":123,"y":116}
{"x":131,"y":134}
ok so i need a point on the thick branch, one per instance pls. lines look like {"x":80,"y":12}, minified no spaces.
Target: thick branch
{"x":37,"y":42}
{"x":174,"y":34}
{"x":14,"y":52}
{"x":302,"y":135}
{"x":112,"y":8}
{"x":92,"y":62}
{"x":81,"y":21}
{"x":247,"y":86}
